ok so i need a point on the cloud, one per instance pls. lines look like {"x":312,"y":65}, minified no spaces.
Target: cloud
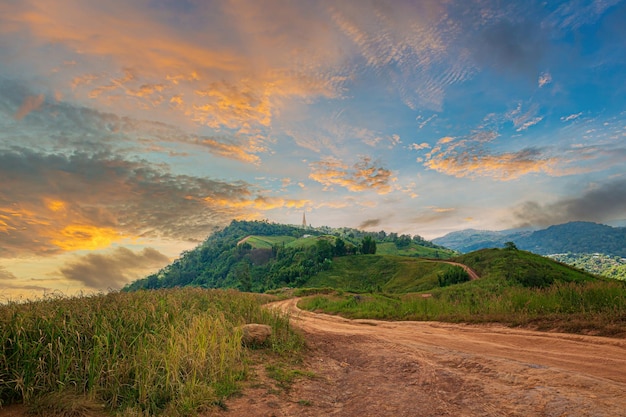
{"x":423,"y":122}
{"x":504,"y":166}
{"x":51,"y":203}
{"x":573,"y":15}
{"x":545,"y":78}
{"x":370,"y":223}
{"x":6,"y":275}
{"x":600,"y":203}
{"x":522,"y":120}
{"x":418,"y":146}
{"x":30,"y":104}
{"x":214,"y":64}
{"x":362,"y":176}
{"x":65,"y":127}
{"x":571,"y":117}
{"x":407,"y":44}
{"x":103,"y":271}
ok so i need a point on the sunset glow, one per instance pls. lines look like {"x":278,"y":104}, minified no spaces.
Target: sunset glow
{"x":129,"y":131}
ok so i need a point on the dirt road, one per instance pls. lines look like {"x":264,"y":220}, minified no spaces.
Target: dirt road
{"x":374,"y":368}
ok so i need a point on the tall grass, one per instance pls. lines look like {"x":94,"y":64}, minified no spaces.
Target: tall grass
{"x":590,"y":307}
{"x":171,"y":352}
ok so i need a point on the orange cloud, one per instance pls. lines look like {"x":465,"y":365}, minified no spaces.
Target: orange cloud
{"x":230,"y":151}
{"x":85,"y":237}
{"x":238,"y":80}
{"x":362,"y":176}
{"x":30,"y":104}
{"x":259,"y":203}
{"x":503,"y":167}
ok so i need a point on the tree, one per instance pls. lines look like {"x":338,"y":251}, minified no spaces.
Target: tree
{"x":340,"y":247}
{"x":242,"y":274}
{"x":368,"y":246}
{"x":510,"y":246}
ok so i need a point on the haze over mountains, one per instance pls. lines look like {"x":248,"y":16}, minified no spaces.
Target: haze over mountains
{"x":572,"y":237}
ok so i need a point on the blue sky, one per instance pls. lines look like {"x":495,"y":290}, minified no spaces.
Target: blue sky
{"x":131,"y":130}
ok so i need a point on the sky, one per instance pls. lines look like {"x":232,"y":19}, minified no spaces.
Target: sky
{"x":131,"y":130}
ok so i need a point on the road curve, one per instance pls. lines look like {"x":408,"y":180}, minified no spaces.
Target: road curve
{"x":493,"y":370}
{"x":472,"y":274}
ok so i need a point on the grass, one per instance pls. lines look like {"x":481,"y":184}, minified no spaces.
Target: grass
{"x":364,"y":273}
{"x":168,"y":352}
{"x":578,"y":307}
{"x":413,"y":249}
{"x":267,"y":242}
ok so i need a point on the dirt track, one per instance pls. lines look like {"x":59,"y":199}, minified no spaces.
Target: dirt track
{"x":374,"y":368}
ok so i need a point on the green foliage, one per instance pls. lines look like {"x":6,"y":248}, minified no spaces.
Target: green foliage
{"x":510,"y":246}
{"x":170,"y":352}
{"x":260,"y":256}
{"x":368,"y":246}
{"x":596,"y":263}
{"x":452,"y":275}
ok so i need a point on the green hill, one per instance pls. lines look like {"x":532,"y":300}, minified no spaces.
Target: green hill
{"x":259,"y":256}
{"x":525,"y":268}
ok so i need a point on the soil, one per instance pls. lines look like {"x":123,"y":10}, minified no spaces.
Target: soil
{"x":368,"y":368}
{"x":374,"y":368}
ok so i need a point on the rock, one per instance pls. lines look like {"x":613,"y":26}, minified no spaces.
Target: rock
{"x":255,"y":334}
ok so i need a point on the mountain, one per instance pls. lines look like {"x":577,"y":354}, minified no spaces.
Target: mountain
{"x":258,"y":256}
{"x":573,"y":237}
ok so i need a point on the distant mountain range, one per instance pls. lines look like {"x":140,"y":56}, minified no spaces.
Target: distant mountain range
{"x":573,"y":237}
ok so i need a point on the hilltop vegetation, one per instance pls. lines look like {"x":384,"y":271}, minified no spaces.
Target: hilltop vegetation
{"x":259,"y":256}
{"x":596,"y":263}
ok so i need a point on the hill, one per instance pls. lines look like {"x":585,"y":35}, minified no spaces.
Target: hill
{"x":573,"y":237}
{"x":259,"y":256}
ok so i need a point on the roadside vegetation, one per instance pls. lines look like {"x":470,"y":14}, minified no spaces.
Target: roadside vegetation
{"x":165,"y":352}
{"x":592,"y":308}
{"x":516,"y":288}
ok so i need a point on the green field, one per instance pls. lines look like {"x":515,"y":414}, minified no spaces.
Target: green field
{"x":394,"y":274}
{"x":390,"y":248}
{"x":267,"y":242}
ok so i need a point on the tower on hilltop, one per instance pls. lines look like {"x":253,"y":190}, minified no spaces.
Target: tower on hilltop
{"x":303,"y":219}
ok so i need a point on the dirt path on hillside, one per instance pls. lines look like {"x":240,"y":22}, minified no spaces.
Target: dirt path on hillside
{"x":374,"y":368}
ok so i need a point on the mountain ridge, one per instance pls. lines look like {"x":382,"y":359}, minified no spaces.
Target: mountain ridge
{"x":571,"y":237}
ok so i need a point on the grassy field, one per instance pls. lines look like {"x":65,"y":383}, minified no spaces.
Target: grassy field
{"x":390,"y":248}
{"x":167,"y":352}
{"x":578,"y":307}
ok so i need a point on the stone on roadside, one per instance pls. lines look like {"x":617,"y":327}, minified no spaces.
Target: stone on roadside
{"x":255,"y":334}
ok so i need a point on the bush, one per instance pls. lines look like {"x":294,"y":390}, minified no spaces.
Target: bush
{"x":452,"y":275}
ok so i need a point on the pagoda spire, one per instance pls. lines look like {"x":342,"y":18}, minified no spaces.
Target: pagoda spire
{"x":303,"y":219}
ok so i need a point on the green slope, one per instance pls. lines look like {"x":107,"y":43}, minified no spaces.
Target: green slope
{"x":395,"y":274}
{"x":525,"y":268}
